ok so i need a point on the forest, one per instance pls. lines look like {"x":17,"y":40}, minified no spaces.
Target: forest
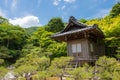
{"x":30,"y":53}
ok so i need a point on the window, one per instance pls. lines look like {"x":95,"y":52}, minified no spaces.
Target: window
{"x":73,"y":48}
{"x":91,"y":47}
{"x":79,"y":47}
{"x":76,"y":48}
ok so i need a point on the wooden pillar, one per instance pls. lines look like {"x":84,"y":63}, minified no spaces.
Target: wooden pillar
{"x":85,"y":35}
{"x":65,"y":38}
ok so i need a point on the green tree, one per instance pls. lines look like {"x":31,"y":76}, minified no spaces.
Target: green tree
{"x":42,"y":75}
{"x":55,"y":25}
{"x":31,"y":64}
{"x":83,"y":20}
{"x":57,"y":49}
{"x":3,"y":20}
{"x":38,"y":43}
{"x":81,"y":73}
{"x":32,"y":59}
{"x":1,"y":61}
{"x":111,"y":29}
{"x":26,"y":70}
{"x":108,"y":68}
{"x":3,"y":71}
{"x":5,"y":53}
{"x":36,"y":50}
{"x":41,"y":38}
{"x":115,"y":10}
{"x":58,"y":66}
{"x":31,"y":30}
{"x":12,"y":39}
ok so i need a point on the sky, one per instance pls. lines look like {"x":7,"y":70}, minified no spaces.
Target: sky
{"x":27,"y":13}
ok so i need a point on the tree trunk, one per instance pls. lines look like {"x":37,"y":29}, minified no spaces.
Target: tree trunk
{"x":76,"y":78}
{"x":60,"y":77}
{"x":7,"y":43}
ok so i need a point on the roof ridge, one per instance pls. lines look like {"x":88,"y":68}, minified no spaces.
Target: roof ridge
{"x":73,"y":19}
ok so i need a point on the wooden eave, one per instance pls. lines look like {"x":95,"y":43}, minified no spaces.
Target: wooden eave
{"x":89,"y":30}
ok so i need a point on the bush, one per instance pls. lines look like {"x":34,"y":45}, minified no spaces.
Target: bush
{"x":53,"y":78}
{"x":35,"y":77}
{"x":21,"y":78}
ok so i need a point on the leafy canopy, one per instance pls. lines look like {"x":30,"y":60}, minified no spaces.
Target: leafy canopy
{"x":115,"y":10}
{"x":55,"y":25}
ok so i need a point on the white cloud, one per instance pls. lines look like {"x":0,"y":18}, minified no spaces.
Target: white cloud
{"x":69,"y":1}
{"x":101,"y":13}
{"x":26,"y":21}
{"x":56,"y":2}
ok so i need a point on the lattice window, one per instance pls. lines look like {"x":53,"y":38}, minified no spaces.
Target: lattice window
{"x":76,"y":48}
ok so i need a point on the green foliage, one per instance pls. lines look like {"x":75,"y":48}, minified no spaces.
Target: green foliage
{"x":83,"y":20}
{"x":118,"y":53}
{"x":67,"y":78}
{"x":3,"y":71}
{"x":81,"y":73}
{"x":33,"y":53}
{"x":115,"y":10}
{"x":31,"y":64}
{"x":55,"y":25}
{"x":108,"y":68}
{"x":111,"y":29}
{"x":42,"y":75}
{"x":58,"y":49}
{"x":61,"y":62}
{"x":31,"y":30}
{"x":21,"y":78}
{"x":38,"y":43}
{"x":41,"y":44}
{"x":3,"y":20}
{"x":5,"y":52}
{"x":58,"y":66}
{"x":105,"y":69}
{"x":25,"y":69}
{"x":12,"y":36}
{"x":12,"y":39}
{"x":109,"y":26}
{"x":35,"y":77}
{"x":34,"y":60}
{"x":35,"y":50}
{"x":1,"y":61}
{"x":115,"y":75}
{"x":41,"y":38}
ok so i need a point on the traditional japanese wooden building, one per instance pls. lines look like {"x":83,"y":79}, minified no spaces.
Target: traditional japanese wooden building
{"x":84,"y":43}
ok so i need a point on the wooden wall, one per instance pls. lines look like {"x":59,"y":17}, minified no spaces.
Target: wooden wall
{"x":98,"y":48}
{"x":84,"y":48}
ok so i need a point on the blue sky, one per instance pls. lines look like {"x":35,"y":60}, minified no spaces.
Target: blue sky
{"x":38,"y":12}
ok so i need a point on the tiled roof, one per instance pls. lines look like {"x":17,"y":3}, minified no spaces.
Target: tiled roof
{"x":80,"y":28}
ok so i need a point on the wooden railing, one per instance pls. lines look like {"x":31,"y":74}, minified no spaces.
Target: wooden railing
{"x":86,"y":58}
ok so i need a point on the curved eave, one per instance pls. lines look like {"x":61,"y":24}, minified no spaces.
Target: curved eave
{"x":94,"y":30}
{"x":71,"y":32}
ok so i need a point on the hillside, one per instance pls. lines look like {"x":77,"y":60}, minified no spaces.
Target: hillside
{"x":31,"y":30}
